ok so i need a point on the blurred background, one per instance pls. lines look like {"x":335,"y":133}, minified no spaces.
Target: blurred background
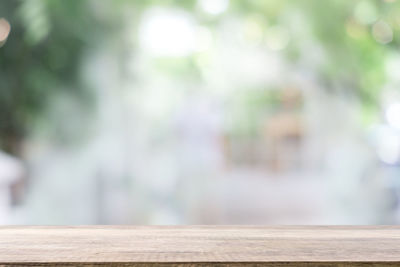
{"x":199,"y":112}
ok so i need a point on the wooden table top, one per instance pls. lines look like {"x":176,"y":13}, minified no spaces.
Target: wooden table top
{"x":200,"y":245}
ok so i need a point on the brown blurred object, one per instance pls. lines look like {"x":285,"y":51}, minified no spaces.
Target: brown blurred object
{"x":5,"y":29}
{"x":12,"y":172}
{"x":284,"y":131}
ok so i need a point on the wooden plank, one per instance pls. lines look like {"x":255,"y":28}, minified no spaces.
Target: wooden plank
{"x":200,"y":245}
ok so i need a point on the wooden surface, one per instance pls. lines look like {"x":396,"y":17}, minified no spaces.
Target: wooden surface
{"x":200,"y":246}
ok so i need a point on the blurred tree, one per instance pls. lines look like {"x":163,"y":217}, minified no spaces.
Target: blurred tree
{"x":355,"y":58}
{"x":49,"y":37}
{"x":40,"y":58}
{"x":356,"y":38}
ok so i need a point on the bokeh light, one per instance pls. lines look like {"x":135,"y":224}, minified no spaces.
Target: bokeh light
{"x":213,"y":7}
{"x":382,"y":32}
{"x":167,"y":33}
{"x":4,"y":30}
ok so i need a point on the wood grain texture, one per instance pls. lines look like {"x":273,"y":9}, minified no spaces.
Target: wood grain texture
{"x":200,"y":246}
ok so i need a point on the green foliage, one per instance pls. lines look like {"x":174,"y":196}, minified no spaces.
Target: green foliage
{"x":49,"y":37}
{"x":355,"y":59}
{"x":41,"y":57}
